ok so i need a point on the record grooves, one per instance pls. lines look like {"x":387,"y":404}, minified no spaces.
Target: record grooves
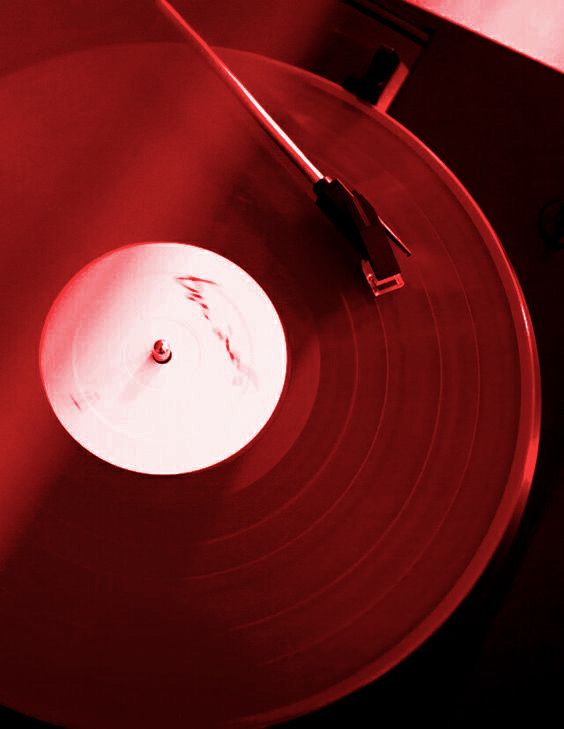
{"x":399,"y":453}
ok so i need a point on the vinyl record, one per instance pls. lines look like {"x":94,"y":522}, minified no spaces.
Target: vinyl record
{"x":397,"y":456}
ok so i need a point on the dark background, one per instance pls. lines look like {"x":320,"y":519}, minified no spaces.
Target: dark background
{"x":495,"y":118}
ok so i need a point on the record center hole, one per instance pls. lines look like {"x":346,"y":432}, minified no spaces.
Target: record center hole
{"x":162,"y":352}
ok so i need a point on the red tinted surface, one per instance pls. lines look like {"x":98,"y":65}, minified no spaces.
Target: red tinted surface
{"x":534,"y":29}
{"x":401,"y":451}
{"x":101,"y":378}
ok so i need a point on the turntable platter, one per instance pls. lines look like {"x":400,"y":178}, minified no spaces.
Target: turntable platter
{"x":399,"y":454}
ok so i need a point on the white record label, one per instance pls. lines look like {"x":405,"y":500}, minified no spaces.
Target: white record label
{"x":192,"y":400}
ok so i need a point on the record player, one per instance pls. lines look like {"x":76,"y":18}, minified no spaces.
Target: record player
{"x":269,"y":439}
